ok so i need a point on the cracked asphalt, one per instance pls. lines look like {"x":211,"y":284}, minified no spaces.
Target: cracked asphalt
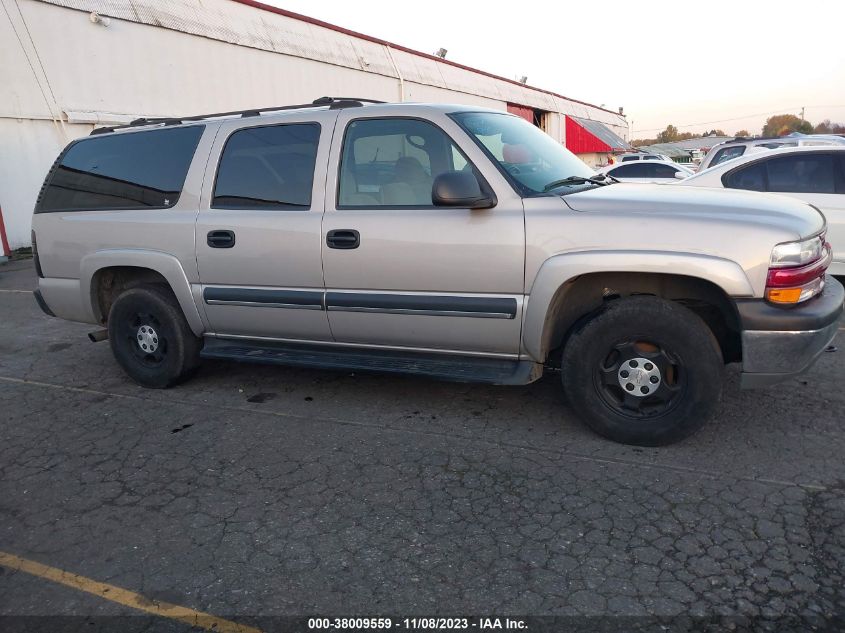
{"x":262,"y":491}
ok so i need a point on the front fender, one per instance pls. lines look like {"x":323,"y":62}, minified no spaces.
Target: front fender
{"x":163,"y":263}
{"x":559,"y":269}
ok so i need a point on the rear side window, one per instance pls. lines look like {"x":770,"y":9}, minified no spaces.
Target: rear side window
{"x":635,"y":170}
{"x":727,"y":153}
{"x":799,"y":173}
{"x":752,"y":178}
{"x":135,"y":170}
{"x":663,"y":171}
{"x":268,"y":168}
{"x":627,"y":159}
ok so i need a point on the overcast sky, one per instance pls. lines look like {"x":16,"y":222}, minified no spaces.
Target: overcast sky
{"x":697,"y":64}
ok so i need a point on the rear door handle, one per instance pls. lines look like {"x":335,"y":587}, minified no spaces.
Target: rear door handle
{"x":221,"y":239}
{"x":343,"y":238}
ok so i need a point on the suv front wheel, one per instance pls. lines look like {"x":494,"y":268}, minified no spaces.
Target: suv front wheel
{"x":644,"y":371}
{"x":151,"y":339}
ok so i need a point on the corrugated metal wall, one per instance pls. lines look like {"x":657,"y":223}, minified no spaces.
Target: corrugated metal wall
{"x":61,"y":73}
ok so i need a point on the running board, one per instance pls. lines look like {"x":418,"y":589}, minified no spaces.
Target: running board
{"x":441,"y":366}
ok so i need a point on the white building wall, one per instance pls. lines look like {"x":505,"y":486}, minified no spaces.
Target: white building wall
{"x":60,"y":74}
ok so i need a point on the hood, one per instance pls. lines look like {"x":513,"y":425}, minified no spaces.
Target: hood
{"x":701,"y":203}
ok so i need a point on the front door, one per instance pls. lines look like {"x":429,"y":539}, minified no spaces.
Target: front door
{"x":258,"y":231}
{"x":401,"y":272}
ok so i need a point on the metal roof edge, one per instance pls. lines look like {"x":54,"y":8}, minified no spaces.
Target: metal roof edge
{"x":339,"y":29}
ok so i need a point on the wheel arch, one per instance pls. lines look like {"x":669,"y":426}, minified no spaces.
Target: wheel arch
{"x":568,"y":288}
{"x":106,"y":273}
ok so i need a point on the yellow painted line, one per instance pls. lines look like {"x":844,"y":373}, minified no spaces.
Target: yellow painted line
{"x":124,"y":596}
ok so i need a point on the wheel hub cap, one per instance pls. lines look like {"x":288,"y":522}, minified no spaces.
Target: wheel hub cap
{"x":147,"y":339}
{"x":639,"y":376}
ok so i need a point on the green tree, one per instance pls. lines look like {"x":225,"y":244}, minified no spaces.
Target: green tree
{"x":743,"y":132}
{"x":783,"y":124}
{"x":668,"y":135}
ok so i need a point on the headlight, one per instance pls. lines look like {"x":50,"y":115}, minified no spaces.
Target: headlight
{"x":797,"y":270}
{"x":797,"y":253}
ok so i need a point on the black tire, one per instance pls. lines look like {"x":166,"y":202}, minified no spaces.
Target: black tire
{"x":171,"y":351}
{"x":631,"y":344}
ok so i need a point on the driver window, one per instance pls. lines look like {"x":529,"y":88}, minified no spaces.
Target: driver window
{"x":394,"y":162}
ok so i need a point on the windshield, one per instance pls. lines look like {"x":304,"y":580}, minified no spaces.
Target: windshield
{"x":531,"y":158}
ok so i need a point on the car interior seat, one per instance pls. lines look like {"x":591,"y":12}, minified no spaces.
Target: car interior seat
{"x":411,"y":184}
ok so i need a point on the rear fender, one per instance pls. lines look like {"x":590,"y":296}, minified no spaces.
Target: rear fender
{"x":163,"y":263}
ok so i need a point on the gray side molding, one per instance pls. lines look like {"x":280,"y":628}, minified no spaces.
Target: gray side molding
{"x":559,"y":269}
{"x":163,"y":263}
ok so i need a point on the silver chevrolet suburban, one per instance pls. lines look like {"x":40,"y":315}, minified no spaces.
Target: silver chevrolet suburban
{"x":449,"y":241}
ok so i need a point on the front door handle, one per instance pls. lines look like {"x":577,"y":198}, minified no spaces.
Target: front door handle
{"x":221,"y":239}
{"x":343,"y":238}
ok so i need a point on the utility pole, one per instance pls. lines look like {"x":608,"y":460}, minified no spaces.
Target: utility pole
{"x":802,"y":113}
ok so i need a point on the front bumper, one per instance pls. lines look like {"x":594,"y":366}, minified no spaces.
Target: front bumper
{"x":779,"y":343}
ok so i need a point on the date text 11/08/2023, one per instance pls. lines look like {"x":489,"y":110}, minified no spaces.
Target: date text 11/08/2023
{"x":423,"y":623}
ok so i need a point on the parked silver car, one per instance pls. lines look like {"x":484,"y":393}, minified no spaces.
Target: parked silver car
{"x":448,"y":241}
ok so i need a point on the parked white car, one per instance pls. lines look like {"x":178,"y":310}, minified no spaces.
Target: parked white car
{"x":650,"y":171}
{"x":810,"y":173}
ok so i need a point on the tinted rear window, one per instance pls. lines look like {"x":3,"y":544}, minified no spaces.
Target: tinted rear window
{"x":663,"y":171}
{"x":798,"y":173}
{"x":134,"y":170}
{"x":634,"y":170}
{"x":727,"y":153}
{"x":269,"y":168}
{"x":802,"y":173}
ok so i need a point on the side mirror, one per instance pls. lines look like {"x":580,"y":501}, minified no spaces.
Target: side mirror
{"x":681,"y":175}
{"x":460,"y":189}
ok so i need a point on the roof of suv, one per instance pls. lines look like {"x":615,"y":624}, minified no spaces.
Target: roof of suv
{"x":333,"y":103}
{"x":780,"y":140}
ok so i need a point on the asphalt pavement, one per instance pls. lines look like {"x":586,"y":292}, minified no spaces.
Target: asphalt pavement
{"x":256,"y":491}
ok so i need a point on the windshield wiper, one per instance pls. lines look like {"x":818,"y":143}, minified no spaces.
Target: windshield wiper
{"x":575,"y":180}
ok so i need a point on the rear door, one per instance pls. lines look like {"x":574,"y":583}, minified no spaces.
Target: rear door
{"x":406,"y":273}
{"x":258,"y":232}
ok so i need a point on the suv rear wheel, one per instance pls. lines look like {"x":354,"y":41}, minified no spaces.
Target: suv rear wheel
{"x":150,"y":338}
{"x":644,"y":371}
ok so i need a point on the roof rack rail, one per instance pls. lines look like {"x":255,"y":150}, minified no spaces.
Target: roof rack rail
{"x":334,"y":103}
